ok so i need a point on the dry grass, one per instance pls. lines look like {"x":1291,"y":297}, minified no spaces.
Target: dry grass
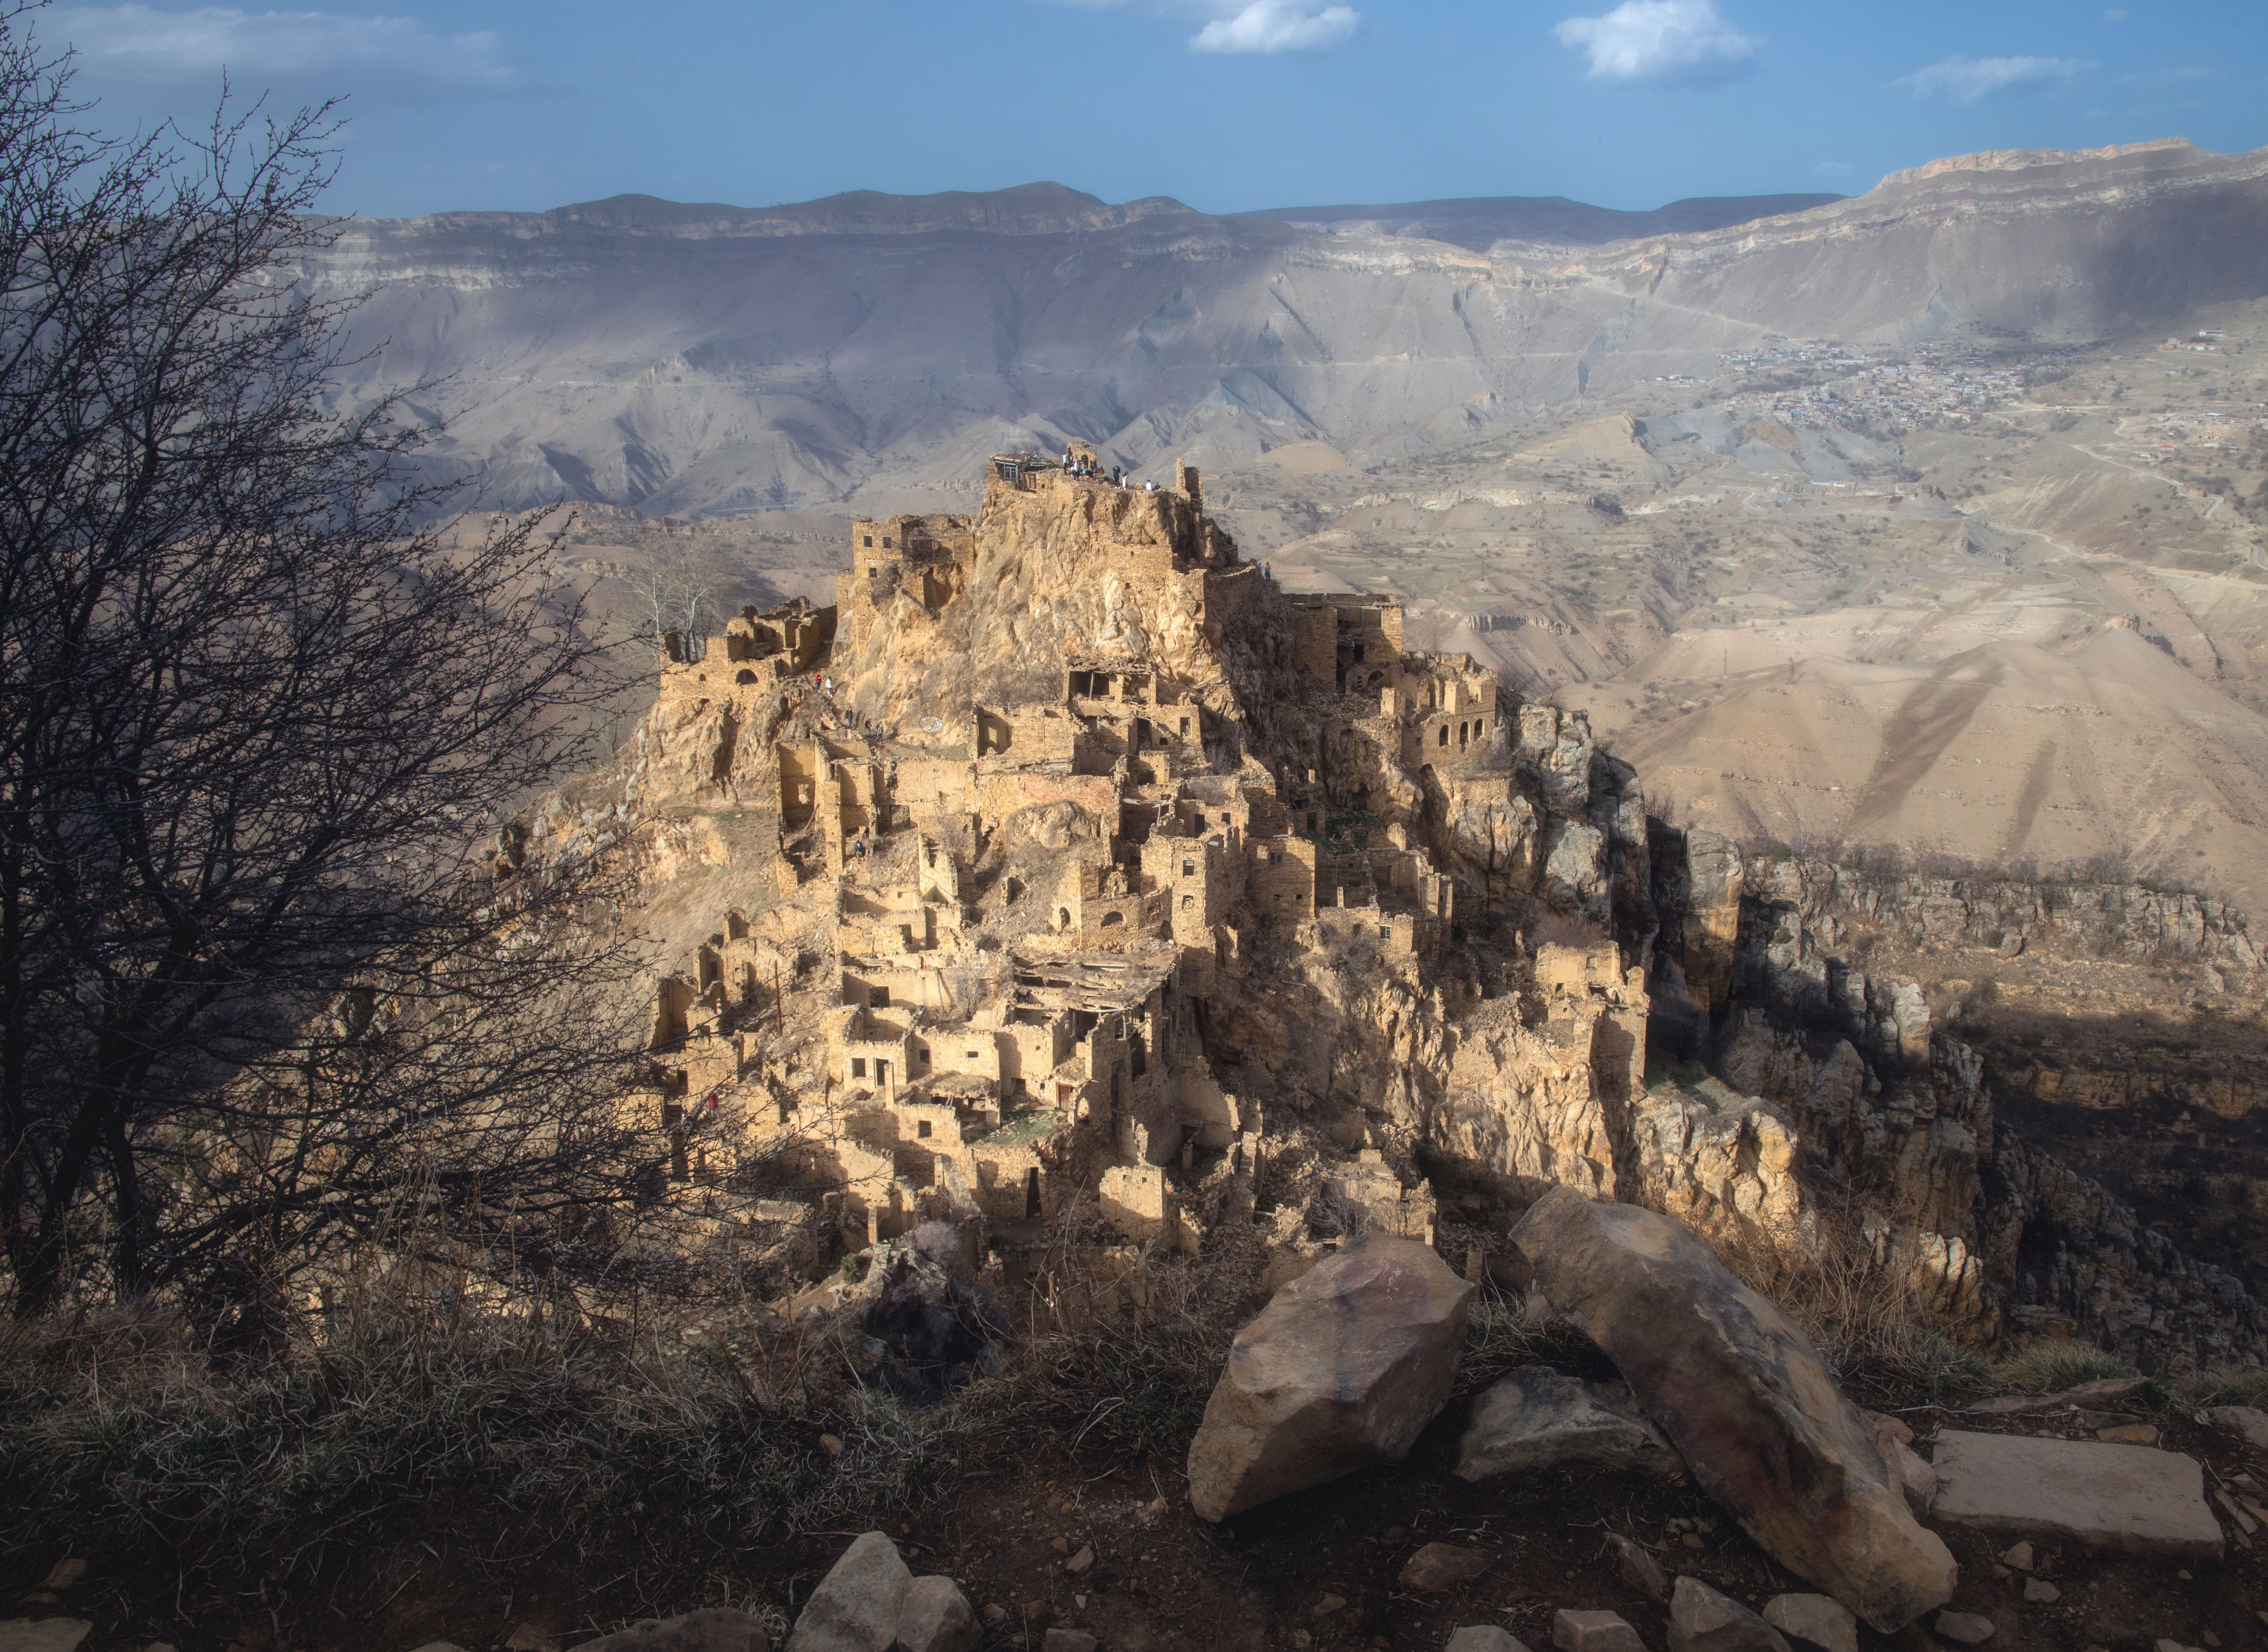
{"x":120,"y":1425}
{"x":2050,"y":1368}
{"x":2245,"y":1387}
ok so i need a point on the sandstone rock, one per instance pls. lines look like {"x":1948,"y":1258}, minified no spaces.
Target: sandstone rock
{"x":1594,"y":1632}
{"x":44,"y":1634}
{"x":2102,"y":1496}
{"x":2247,"y":1423}
{"x":1442,"y":1566}
{"x":2040,"y":1592}
{"x":1814,"y":1620}
{"x":1484,"y":1637}
{"x":934,"y":1617}
{"x":715,"y":1629}
{"x":2017,"y":1557}
{"x":1893,"y":1438}
{"x":1068,"y":1641}
{"x":1537,"y":1418}
{"x":1341,"y":1370}
{"x":856,"y":1606}
{"x":1963,"y":1628}
{"x":1635,"y":1565}
{"x":1746,"y":1399}
{"x":1081,"y":1562}
{"x":1703,"y":1621}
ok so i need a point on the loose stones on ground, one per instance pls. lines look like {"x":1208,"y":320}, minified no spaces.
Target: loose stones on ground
{"x":1442,"y":1566}
{"x":1814,"y":1620}
{"x":712,"y":1630}
{"x":1594,"y":1632}
{"x":870,"y":1602}
{"x":1703,"y":1621}
{"x":1963,"y":1628}
{"x":2247,"y":1423}
{"x":1484,"y":1637}
{"x":1636,"y":1566}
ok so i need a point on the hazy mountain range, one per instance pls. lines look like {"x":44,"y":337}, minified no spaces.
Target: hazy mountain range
{"x":865,"y":349}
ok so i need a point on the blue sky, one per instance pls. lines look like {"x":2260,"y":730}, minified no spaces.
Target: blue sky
{"x":1224,"y":104}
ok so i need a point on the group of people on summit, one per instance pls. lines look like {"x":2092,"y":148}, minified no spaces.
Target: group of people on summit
{"x":1088,"y":465}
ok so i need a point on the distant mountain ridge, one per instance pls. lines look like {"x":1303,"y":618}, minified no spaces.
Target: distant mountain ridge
{"x":1481,"y":222}
{"x":693,"y":357}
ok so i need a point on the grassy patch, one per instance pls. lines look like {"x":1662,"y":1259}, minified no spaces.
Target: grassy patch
{"x":2050,"y":1368}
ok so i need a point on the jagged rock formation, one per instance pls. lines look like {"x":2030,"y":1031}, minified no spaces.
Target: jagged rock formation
{"x":1097,"y":877}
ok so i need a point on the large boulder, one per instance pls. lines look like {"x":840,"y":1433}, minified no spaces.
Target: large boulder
{"x":1743,"y":1395}
{"x":1341,"y":1370}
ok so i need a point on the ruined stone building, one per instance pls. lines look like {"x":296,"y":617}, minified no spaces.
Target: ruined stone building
{"x":1086,"y":876}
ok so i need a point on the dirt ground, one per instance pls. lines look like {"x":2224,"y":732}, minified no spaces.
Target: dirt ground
{"x":1318,"y":1570}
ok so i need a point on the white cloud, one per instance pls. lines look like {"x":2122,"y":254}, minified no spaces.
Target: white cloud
{"x":1973,"y":80}
{"x":134,"y":42}
{"x":1659,"y":39}
{"x":1278,"y":25}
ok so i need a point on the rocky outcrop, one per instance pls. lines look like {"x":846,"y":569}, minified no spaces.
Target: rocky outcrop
{"x":1341,"y":1370}
{"x":1743,"y":1395}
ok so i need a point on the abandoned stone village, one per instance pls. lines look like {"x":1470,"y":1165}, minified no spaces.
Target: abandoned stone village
{"x":1077,"y":897}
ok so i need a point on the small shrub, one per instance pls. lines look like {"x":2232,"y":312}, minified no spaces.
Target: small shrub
{"x":2248,"y":1387}
{"x":2050,"y":1368}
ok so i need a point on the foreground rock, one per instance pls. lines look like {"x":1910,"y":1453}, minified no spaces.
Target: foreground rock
{"x":1341,"y":1370}
{"x":2247,"y":1423}
{"x":1442,"y":1566}
{"x":44,"y":1634}
{"x":2131,"y":1499}
{"x":1703,"y":1621}
{"x":1745,"y":1398}
{"x":713,"y":1630}
{"x":1814,"y":1620}
{"x":935,"y":1616}
{"x":1484,"y":1637}
{"x":1594,"y":1632}
{"x":1537,"y":1418}
{"x":857,"y":1605}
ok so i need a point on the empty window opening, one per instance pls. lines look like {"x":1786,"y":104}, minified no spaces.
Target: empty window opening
{"x":870,"y":541}
{"x":1189,"y":869}
{"x":1444,"y":734}
{"x":1189,"y":903}
{"x":857,"y":1066}
{"x":921,"y":1129}
{"x":882,"y":1072}
{"x":1111,"y":920}
{"x":879,"y":997}
{"x":1185,"y":729}
{"x":1032,"y":1192}
{"x":745,"y":676}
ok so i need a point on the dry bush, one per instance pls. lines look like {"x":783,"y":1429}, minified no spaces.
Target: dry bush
{"x":1879,"y":1327}
{"x":121,"y":1426}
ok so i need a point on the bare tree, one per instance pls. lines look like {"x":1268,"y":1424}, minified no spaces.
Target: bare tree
{"x":262,"y":979}
{"x":682,"y":590}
